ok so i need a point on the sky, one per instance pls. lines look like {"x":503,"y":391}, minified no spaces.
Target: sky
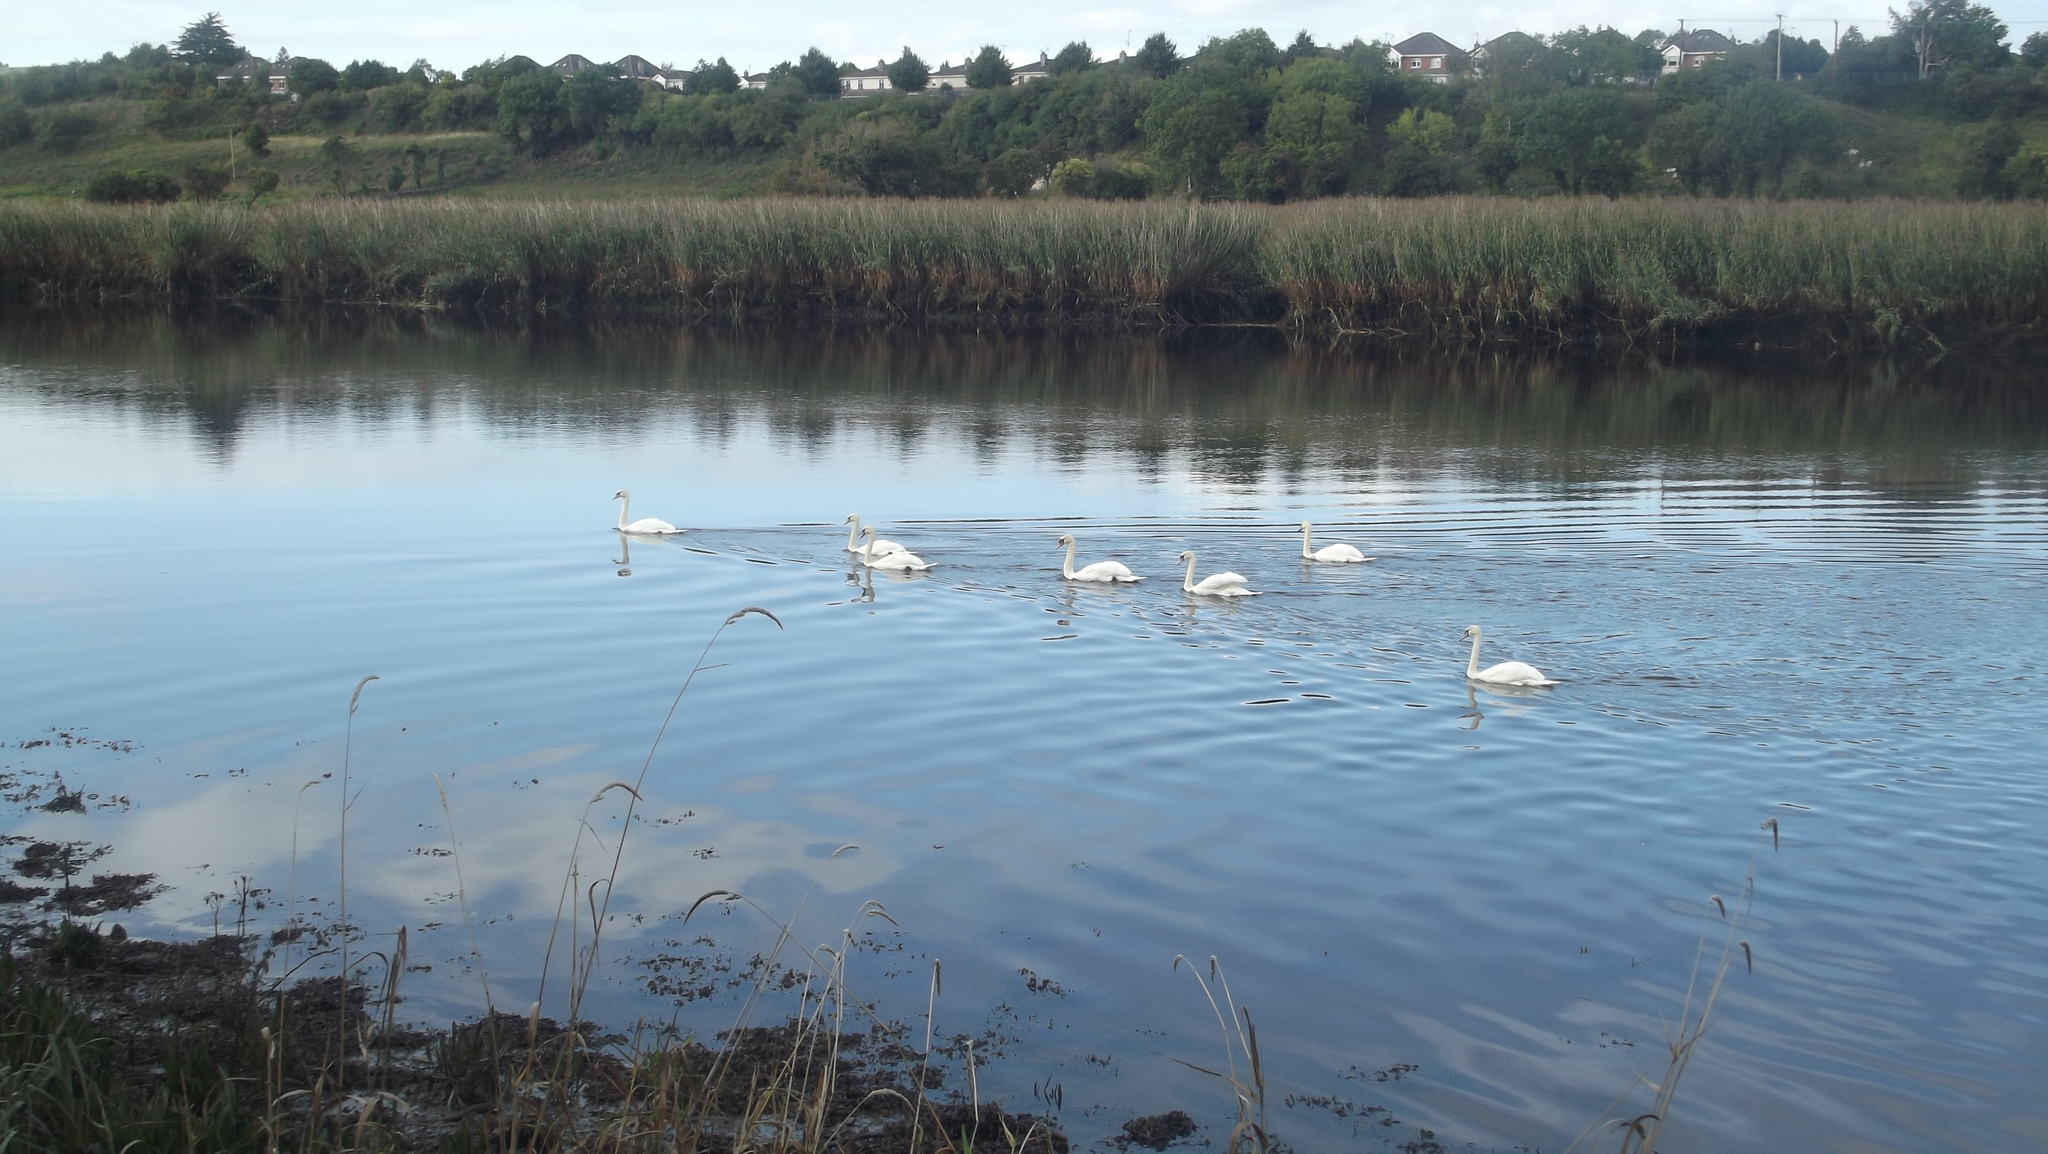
{"x":458,"y":33}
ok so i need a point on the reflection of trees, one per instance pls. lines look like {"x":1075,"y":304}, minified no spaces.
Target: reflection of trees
{"x":1233,"y":408}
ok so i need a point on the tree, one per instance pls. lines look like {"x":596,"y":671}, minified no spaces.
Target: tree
{"x":720,"y":78}
{"x":1950,"y":32}
{"x":206,"y":41}
{"x":909,"y":73}
{"x":526,"y":110}
{"x":1268,"y":175}
{"x":1072,"y":177}
{"x":818,"y":73}
{"x":256,"y":139}
{"x":1801,"y":58}
{"x":363,"y":75}
{"x":594,"y":103}
{"x":1764,"y":128}
{"x":310,"y":74}
{"x":1497,"y":157}
{"x":204,"y":181}
{"x":2034,"y":50}
{"x":1158,"y":57}
{"x":15,"y":126}
{"x":1192,"y":126}
{"x":261,"y":182}
{"x":135,"y":186}
{"x":989,"y":69}
{"x":1075,"y":57}
{"x":1302,"y":47}
{"x":1685,"y":142}
{"x":1014,"y":173}
{"x":1559,"y":132}
{"x":1983,"y":174}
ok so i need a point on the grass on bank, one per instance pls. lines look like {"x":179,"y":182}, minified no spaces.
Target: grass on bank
{"x":1872,"y":271}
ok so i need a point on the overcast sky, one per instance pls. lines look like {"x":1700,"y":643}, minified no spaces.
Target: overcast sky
{"x":458,"y":33}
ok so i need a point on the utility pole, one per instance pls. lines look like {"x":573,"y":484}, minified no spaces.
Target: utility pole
{"x":1837,"y":50}
{"x":1781,"y":47}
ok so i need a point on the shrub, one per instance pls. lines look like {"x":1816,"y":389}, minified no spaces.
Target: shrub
{"x":15,"y":126}
{"x":1072,"y":177}
{"x":257,"y":139}
{"x":136,"y":186}
{"x":66,"y":130}
{"x":260,"y":182}
{"x":204,"y":181}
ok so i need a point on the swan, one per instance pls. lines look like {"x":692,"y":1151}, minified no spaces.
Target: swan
{"x":1335,"y":554}
{"x":880,"y":547}
{"x":1506,"y":673}
{"x":898,"y":562}
{"x":644,"y":524}
{"x":1214,"y":585}
{"x":1104,"y":571}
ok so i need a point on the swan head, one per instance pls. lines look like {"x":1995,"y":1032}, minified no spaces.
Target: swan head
{"x":851,"y":518}
{"x":619,"y":496}
{"x":1304,"y":526}
{"x":1471,"y":631}
{"x":867,"y":531}
{"x":1066,"y":539}
{"x":1187,"y":555}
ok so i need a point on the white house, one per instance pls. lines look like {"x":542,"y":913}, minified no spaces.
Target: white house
{"x":948,"y":76}
{"x":1027,"y":72}
{"x":1426,"y":55}
{"x":1695,"y":49}
{"x":866,"y":81}
{"x":754,"y":80}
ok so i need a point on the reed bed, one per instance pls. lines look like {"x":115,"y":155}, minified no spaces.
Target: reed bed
{"x":1557,"y":270}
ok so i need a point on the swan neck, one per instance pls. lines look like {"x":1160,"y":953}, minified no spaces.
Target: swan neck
{"x":625,"y":503}
{"x":1067,"y":570}
{"x":853,"y":535}
{"x":1472,"y":666}
{"x":1304,"y":544}
{"x":1188,"y":583}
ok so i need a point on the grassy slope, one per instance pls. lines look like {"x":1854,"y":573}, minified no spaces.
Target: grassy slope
{"x":1915,"y":157}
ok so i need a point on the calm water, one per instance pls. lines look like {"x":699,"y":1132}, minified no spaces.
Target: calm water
{"x":1770,"y":595}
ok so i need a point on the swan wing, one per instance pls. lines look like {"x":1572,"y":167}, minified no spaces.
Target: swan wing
{"x":1514,"y":673}
{"x":1222,"y":585}
{"x":884,"y":548}
{"x":899,"y":560}
{"x":1340,"y":553}
{"x":1105,"y":571}
{"x":650,"y":525}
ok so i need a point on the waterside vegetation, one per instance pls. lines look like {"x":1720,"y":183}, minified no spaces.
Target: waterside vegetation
{"x":1887,"y":273}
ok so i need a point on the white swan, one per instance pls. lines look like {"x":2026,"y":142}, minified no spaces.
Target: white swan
{"x":1339,"y":554}
{"x":1506,"y":673}
{"x":1214,"y":585}
{"x":1104,"y":571}
{"x":901,"y":561}
{"x":644,"y":524}
{"x":880,"y":547}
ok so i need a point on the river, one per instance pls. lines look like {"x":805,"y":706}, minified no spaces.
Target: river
{"x":1462,"y":916}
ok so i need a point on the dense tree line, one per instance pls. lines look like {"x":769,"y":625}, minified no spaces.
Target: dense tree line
{"x":1240,"y":117}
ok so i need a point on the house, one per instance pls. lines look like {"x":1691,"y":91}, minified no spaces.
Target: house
{"x":865,"y":81}
{"x":641,"y":68}
{"x":256,"y":70}
{"x":1027,"y":72}
{"x":948,"y":76}
{"x":754,"y":80}
{"x":1695,"y":49}
{"x":1427,"y":56}
{"x":1509,"y":50}
{"x":571,"y":64}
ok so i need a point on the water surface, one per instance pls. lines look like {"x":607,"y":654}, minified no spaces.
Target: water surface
{"x":1806,"y":595}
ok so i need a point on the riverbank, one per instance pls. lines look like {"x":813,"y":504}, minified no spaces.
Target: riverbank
{"x":1556,"y":271}
{"x":111,"y":1043}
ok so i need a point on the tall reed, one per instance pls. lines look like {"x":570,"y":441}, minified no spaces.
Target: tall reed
{"x":1556,"y":269}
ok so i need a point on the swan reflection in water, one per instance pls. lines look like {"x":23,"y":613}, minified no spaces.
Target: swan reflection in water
{"x":1513,"y":697}
{"x":625,"y":558}
{"x":862,"y":578}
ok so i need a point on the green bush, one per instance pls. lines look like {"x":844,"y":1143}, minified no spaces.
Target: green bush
{"x":135,"y":186}
{"x":204,"y":181}
{"x":15,"y":126}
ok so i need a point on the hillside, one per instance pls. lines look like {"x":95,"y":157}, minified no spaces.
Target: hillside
{"x":1579,"y":113}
